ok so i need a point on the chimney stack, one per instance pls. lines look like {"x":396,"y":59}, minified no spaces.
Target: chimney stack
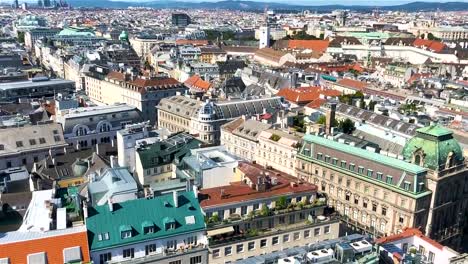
{"x":111,"y":205}
{"x":112,"y":161}
{"x":330,"y":118}
{"x":176,"y":199}
{"x":97,"y":148}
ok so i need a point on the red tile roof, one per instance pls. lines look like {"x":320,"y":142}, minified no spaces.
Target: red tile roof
{"x":316,"y":104}
{"x":432,"y":45}
{"x":407,"y":233}
{"x":195,"y":42}
{"x":240,"y":191}
{"x":114,"y":75}
{"x":140,"y":82}
{"x":53,"y":246}
{"x":350,"y":83}
{"x":196,"y":82}
{"x":315,"y":45}
{"x":304,"y":95}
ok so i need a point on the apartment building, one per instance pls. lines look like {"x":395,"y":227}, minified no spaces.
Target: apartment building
{"x":51,"y":232}
{"x":141,"y":92}
{"x":383,"y":194}
{"x":263,"y":212}
{"x":204,"y":119}
{"x":88,"y":126}
{"x":240,"y":137}
{"x":25,"y":145}
{"x":35,"y":88}
{"x":278,"y":149}
{"x":155,"y":162}
{"x":376,"y":193}
{"x":164,"y":229}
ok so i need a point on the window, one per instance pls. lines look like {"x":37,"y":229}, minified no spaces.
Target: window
{"x":389,"y":179}
{"x":364,"y":203}
{"x":317,"y":231}
{"x":347,"y":197}
{"x":2,"y":147}
{"x":326,"y":229}
{"x":335,"y":161}
{"x":228,"y":251}
{"x":351,"y":166}
{"x":176,"y":262}
{"x":374,"y":207}
{"x":343,"y":164}
{"x":196,"y":260}
{"x":361,"y":170}
{"x":232,"y":211}
{"x":128,"y":253}
{"x":407,"y":185}
{"x":244,"y":210}
{"x":319,"y":156}
{"x":275,"y":241}
{"x":296,"y":236}
{"x":150,"y":249}
{"x":327,"y":158}
{"x":384,"y":211}
{"x":106,"y":236}
{"x":215,"y":253}
{"x":306,"y":233}
{"x":57,"y":138}
{"x":431,"y":257}
{"x":370,"y":172}
{"x":148,"y":229}
{"x":379,"y":176}
{"x":42,"y":141}
{"x":251,"y":245}
{"x":126,"y":234}
{"x":382,"y":226}
{"x":285,"y":238}
{"x":103,"y":258}
{"x":256,"y":206}
{"x":192,"y":240}
{"x":19,"y":144}
{"x":263,"y":243}
{"x":71,"y":255}
{"x":401,"y":219}
{"x":292,"y":218}
{"x":171,"y":244}
{"x":281,"y":220}
{"x":422,"y":250}
{"x":240,"y":248}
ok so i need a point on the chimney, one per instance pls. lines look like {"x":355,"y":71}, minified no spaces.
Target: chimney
{"x":53,"y":161}
{"x":112,"y":161}
{"x":195,"y":191}
{"x":176,"y":199}
{"x":330,"y":118}
{"x":113,"y":143}
{"x":51,"y":152}
{"x":65,"y":150}
{"x":85,"y":210}
{"x":97,"y":148}
{"x":77,"y":146}
{"x":111,"y":204}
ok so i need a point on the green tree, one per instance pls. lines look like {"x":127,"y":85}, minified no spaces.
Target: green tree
{"x":322,"y":120}
{"x":431,"y":36}
{"x":281,"y":203}
{"x":372,"y":105}
{"x":265,"y":210}
{"x":21,"y":37}
{"x":347,"y":126}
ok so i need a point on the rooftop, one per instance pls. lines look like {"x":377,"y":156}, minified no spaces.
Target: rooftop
{"x":355,"y":151}
{"x":36,"y":84}
{"x":239,"y":191}
{"x":137,"y":214}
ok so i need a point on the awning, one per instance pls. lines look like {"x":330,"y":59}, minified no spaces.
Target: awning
{"x":220,"y":231}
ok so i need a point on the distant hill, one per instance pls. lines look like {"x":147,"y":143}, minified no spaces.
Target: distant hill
{"x":260,"y":6}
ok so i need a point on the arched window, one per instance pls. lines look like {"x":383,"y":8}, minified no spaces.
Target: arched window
{"x":450,"y":160}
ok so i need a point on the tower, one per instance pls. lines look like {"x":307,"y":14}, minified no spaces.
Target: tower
{"x":15,"y":4}
{"x":264,"y":37}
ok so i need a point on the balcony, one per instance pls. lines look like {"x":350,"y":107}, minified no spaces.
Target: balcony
{"x":243,"y":235}
{"x":166,"y":253}
{"x":215,"y":222}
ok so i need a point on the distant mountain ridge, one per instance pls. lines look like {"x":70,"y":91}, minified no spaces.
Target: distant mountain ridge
{"x":259,"y":6}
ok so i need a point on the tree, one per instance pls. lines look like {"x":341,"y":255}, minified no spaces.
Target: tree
{"x":302,"y":35}
{"x":322,"y":120}
{"x":21,"y":37}
{"x":265,"y":210}
{"x":372,"y":105}
{"x":347,"y":126}
{"x":281,"y":203}
{"x":431,"y":36}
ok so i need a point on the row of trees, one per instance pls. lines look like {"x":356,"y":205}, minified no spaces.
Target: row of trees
{"x":346,"y":125}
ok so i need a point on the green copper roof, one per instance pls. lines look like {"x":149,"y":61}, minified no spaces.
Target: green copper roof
{"x":123,"y":35}
{"x":165,"y":152}
{"x":77,"y":31}
{"x":385,"y":160}
{"x":137,"y":214}
{"x":432,"y":146}
{"x":435,"y":130}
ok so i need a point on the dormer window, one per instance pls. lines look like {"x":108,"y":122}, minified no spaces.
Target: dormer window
{"x":125,"y":231}
{"x":169,"y":223}
{"x":148,"y":227}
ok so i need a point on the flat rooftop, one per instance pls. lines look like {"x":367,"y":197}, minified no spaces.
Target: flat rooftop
{"x":237,"y":192}
{"x":29,"y":84}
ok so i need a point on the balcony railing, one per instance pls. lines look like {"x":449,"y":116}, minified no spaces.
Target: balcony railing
{"x":259,"y":214}
{"x":243,"y":235}
{"x":166,"y":253}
